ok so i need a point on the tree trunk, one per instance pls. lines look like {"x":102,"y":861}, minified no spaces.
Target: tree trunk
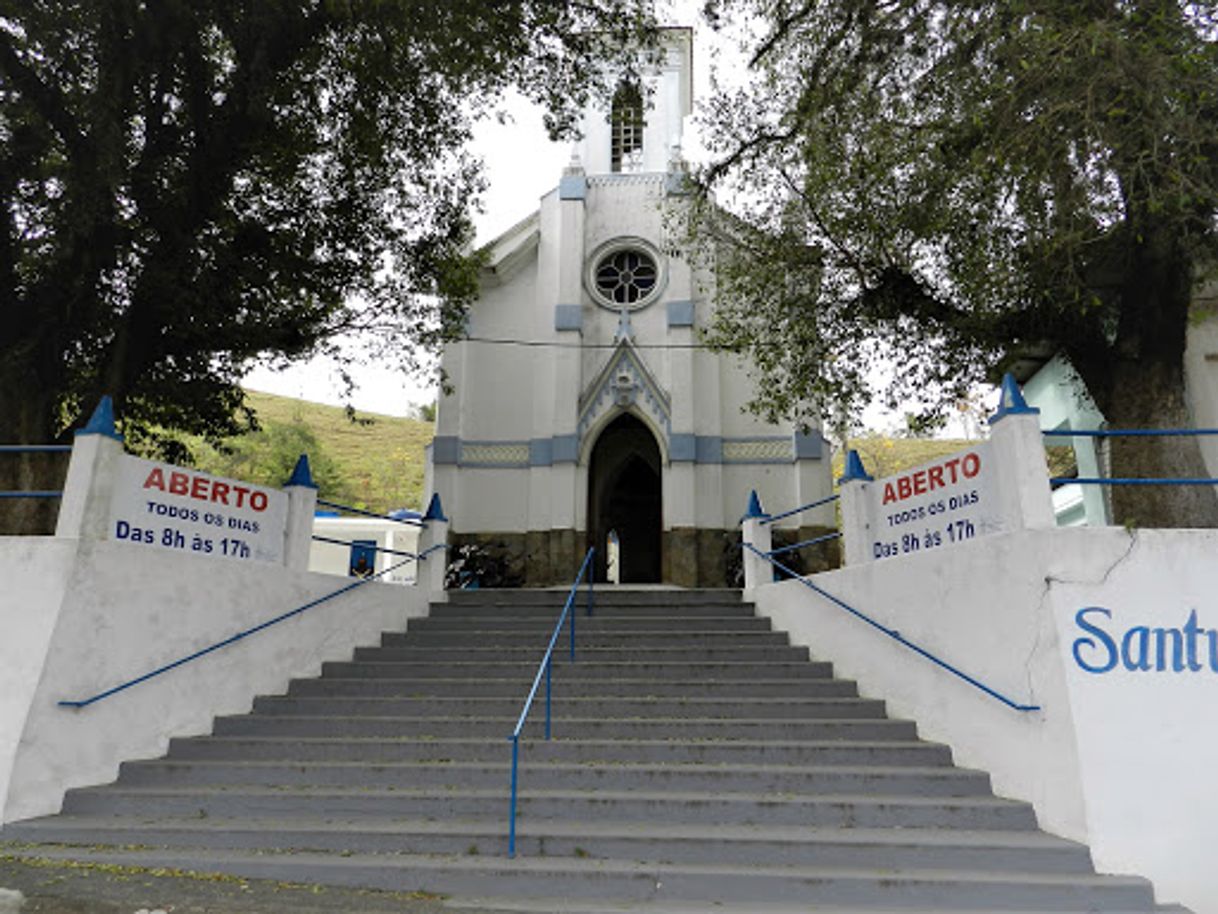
{"x":25,"y":418}
{"x":1152,"y":396}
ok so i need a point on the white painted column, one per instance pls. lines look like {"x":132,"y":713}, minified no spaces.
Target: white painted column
{"x":433,"y":551}
{"x":855,"y":501}
{"x":302,"y":505}
{"x":84,"y":509}
{"x":755,"y":532}
{"x":1019,"y":453}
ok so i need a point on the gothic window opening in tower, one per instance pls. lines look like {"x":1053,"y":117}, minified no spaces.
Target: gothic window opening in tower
{"x":626,"y":134}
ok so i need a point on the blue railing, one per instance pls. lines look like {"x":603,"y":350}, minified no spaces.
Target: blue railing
{"x":802,"y":508}
{"x":544,"y":669}
{"x":34,"y":449}
{"x":897,"y":636}
{"x":754,"y":511}
{"x":408,"y":521}
{"x":233,"y":639}
{"x":1129,"y":433}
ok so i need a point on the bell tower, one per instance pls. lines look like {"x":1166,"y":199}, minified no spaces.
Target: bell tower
{"x":641,"y":129}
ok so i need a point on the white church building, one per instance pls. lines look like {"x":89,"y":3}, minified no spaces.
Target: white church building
{"x":581,"y":401}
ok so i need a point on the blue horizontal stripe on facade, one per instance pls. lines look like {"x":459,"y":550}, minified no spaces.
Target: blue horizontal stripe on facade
{"x":682,"y":448}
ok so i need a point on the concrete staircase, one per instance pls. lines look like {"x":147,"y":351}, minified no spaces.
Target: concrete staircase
{"x":699,"y":763}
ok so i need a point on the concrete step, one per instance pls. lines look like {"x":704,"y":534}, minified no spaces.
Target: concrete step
{"x":604,"y":612}
{"x":567,"y":707}
{"x":596,"y":623}
{"x":588,"y":669}
{"x":568,"y":728}
{"x":576,"y":688}
{"x":858,"y":848}
{"x":810,"y":887}
{"x":881,"y":753}
{"x":603,"y":596}
{"x":709,"y":808}
{"x":891,"y":782}
{"x":536,"y":638}
{"x":641,"y":653}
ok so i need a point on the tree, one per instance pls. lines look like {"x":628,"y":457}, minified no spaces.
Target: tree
{"x":269,"y":456}
{"x":951,"y":185}
{"x":190,"y":186}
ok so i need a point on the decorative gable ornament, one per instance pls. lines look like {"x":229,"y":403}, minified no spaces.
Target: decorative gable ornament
{"x":624,"y":383}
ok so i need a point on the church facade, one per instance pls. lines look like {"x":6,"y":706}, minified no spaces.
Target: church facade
{"x":582,"y":404}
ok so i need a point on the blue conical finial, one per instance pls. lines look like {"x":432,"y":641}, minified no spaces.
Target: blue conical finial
{"x":301,"y":474}
{"x":102,"y":421}
{"x":435,"y":510}
{"x":854,"y":471}
{"x":1011,"y":401}
{"x":754,"y":510}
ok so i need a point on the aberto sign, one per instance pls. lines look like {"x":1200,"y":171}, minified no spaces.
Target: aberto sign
{"x":167,"y":507}
{"x":942,"y":503}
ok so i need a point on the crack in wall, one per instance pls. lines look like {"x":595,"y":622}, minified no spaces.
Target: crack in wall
{"x":1041,"y":605}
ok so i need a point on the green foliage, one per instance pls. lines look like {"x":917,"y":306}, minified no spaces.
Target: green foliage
{"x":375,"y":464}
{"x":269,"y":456}
{"x":940,"y":186}
{"x":192,"y":187}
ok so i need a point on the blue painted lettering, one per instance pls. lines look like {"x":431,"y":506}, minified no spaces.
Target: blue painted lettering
{"x":1142,"y":649}
{"x":1110,"y":647}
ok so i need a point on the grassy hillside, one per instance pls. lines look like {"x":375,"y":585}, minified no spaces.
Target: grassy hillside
{"x":375,"y":463}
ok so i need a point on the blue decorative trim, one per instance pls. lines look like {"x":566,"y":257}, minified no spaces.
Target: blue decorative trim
{"x":102,"y":420}
{"x":682,"y":448}
{"x":573,"y":187}
{"x":301,"y":475}
{"x":445,"y":449}
{"x":565,"y":448}
{"x":568,"y":317}
{"x":435,"y":510}
{"x":541,"y":452}
{"x":854,"y":469}
{"x":680,"y":313}
{"x":708,"y":449}
{"x":810,"y":446}
{"x":1011,"y":401}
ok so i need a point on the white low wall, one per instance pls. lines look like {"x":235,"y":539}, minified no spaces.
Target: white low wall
{"x":1120,"y":759}
{"x":83,"y":616}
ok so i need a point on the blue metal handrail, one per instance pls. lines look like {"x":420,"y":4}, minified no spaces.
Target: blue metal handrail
{"x":34,"y":449}
{"x":812,"y":542}
{"x":801,"y":509}
{"x":897,"y":636}
{"x":1126,"y":432}
{"x":1130,"y":481}
{"x":374,"y":548}
{"x":408,"y":521}
{"x":545,"y":667}
{"x":358,"y":582}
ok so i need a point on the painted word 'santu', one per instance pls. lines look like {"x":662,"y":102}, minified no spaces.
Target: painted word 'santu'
{"x":1141,"y":648}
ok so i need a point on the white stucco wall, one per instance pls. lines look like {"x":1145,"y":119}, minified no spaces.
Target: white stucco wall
{"x":1123,"y":759}
{"x":91,"y":615}
{"x":35,"y":573}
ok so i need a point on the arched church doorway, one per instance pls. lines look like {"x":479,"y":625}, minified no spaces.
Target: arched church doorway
{"x":624,"y":496}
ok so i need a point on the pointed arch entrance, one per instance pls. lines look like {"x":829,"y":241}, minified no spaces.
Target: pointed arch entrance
{"x":624,"y":495}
